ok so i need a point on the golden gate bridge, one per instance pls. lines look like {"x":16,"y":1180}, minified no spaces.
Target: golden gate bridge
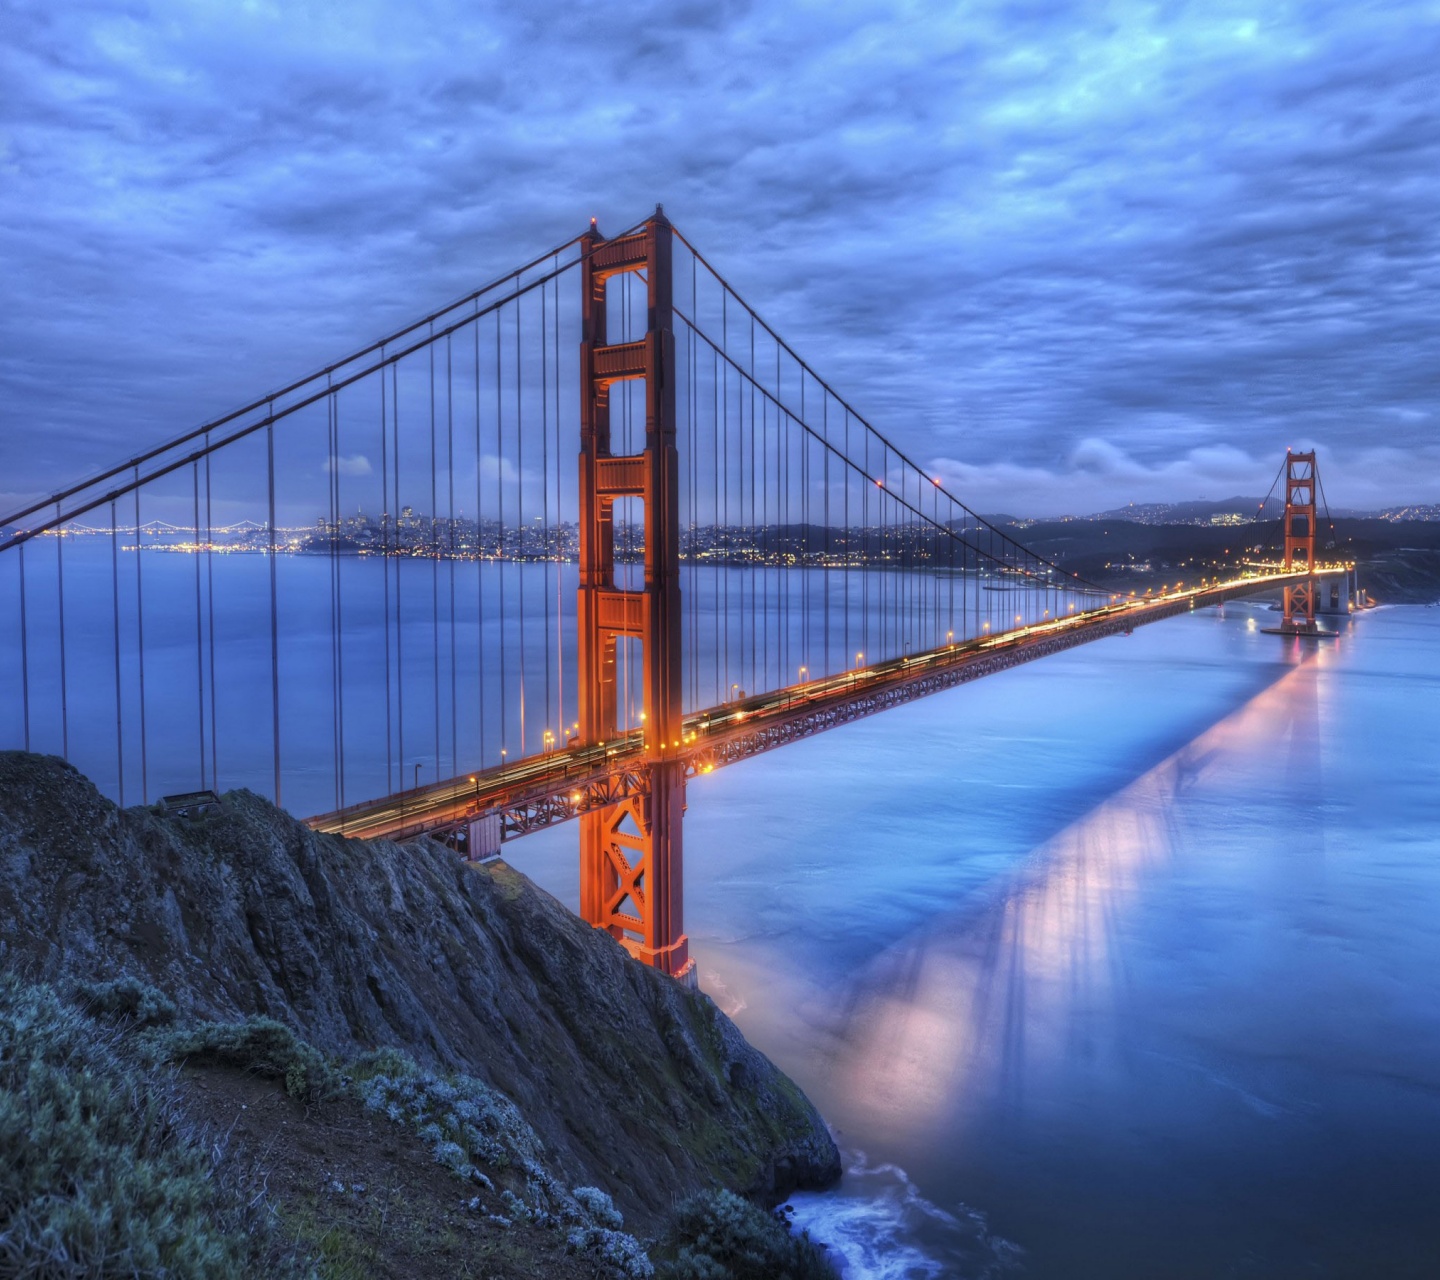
{"x":412,"y":558}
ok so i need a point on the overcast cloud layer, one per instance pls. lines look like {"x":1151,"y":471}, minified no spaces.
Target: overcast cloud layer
{"x":1072,"y":255}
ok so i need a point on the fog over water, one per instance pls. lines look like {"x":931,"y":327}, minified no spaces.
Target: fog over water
{"x":1120,"y":964}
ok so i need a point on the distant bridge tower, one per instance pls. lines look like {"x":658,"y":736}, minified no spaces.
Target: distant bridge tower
{"x":1301,"y":481}
{"x":631,"y":878}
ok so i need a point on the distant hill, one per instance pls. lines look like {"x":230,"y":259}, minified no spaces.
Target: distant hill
{"x":1200,"y":511}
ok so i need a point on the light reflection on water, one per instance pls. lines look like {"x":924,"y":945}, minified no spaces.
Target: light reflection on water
{"x":1121,"y":965}
{"x":976,"y":1010}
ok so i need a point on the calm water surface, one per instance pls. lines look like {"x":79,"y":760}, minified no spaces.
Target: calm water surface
{"x":1123,"y":964}
{"x":1126,"y":964}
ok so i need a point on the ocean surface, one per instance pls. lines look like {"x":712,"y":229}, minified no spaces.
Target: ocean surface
{"x":1125,"y":963}
{"x":1122,"y":964}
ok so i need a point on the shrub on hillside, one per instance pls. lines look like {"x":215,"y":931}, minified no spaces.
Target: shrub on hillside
{"x":260,"y":1045}
{"x":614,"y":1253}
{"x":466,"y":1124}
{"x":129,"y":1001}
{"x":100,"y":1173}
{"x":600,"y":1208}
{"x":721,"y":1236}
{"x":462,"y":1120}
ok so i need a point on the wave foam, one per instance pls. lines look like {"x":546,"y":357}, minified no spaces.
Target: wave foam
{"x":878,"y":1226}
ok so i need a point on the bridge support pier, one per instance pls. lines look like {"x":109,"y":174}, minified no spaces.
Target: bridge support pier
{"x":631,"y":854}
{"x":1300,"y":485}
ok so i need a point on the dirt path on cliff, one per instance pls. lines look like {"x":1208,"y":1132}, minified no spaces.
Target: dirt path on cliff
{"x":364,"y":1196}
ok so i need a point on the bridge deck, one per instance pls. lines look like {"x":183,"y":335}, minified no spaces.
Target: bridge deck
{"x":560,"y":784}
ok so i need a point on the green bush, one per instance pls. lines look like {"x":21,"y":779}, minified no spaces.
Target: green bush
{"x":381,"y":1062}
{"x":615,"y":1255}
{"x":463,"y":1121}
{"x":260,"y":1045}
{"x":721,"y":1236}
{"x":130,"y":1001}
{"x":100,"y":1174}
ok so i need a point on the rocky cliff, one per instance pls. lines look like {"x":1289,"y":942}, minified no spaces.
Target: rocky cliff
{"x":635,"y":1084}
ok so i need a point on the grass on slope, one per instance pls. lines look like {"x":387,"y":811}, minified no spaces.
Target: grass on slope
{"x":101,"y":1174}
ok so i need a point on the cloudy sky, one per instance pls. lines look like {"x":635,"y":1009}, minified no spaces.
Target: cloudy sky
{"x":1071,"y":255}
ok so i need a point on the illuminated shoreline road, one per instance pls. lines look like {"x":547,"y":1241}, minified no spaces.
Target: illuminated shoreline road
{"x":563,"y":783}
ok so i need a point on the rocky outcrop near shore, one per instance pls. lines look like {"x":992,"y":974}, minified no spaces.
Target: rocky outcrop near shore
{"x":634,"y":1083}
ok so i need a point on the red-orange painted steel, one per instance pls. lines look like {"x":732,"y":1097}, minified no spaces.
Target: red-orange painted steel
{"x":631,"y":854}
{"x":1301,"y":481}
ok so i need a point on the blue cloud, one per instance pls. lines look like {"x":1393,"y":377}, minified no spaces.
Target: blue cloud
{"x":1006,"y":233}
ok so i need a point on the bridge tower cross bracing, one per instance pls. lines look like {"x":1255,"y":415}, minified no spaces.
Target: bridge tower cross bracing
{"x":1301,"y":481}
{"x":631,"y":854}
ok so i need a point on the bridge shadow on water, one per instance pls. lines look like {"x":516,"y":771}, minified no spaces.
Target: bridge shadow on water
{"x":976,"y":1004}
{"x":994,"y":1050}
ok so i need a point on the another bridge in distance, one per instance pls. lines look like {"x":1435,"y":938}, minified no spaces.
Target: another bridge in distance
{"x":560,"y":545}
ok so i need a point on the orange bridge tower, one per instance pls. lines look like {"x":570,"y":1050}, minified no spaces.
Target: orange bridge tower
{"x":1300,"y":484}
{"x":631,"y":853}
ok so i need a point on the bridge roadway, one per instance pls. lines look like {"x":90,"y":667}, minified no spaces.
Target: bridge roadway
{"x":560,"y":784}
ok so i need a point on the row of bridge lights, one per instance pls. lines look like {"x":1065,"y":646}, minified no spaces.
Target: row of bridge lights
{"x":575,"y":797}
{"x":549,"y":741}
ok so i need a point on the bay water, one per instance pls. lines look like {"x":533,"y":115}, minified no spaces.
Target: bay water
{"x":1122,"y":964}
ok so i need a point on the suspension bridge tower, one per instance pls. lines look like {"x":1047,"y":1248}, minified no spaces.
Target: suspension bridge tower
{"x":631,"y":875}
{"x":1301,"y":480}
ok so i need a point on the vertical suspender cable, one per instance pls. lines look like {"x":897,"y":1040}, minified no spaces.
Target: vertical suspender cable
{"x":556,"y":542}
{"x":884,"y":559}
{"x":332,"y":550}
{"x":450,"y":469}
{"x":693,"y":471}
{"x":140,"y":646}
{"x":950,"y":575}
{"x":210,"y":612}
{"x":500,"y":517}
{"x":804,"y":439}
{"x":434,"y":558}
{"x":848,"y":543}
{"x":866,"y":550}
{"x":740,"y":541}
{"x":479,"y":562}
{"x":723,"y":452}
{"x":756,"y":681}
{"x":115,"y":616}
{"x":545,"y":495}
{"x":520,"y":511}
{"x":274,"y":617}
{"x":24,"y":653}
{"x":339,"y":614}
{"x":782,"y":512}
{"x":402,"y":554}
{"x":64,"y":684}
{"x":385,"y":522}
{"x":199,"y":632}
{"x":480,"y":568}
{"x":768,"y":540}
{"x":721,"y":694}
{"x":825,"y":479}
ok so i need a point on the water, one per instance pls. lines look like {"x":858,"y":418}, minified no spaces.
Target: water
{"x":442,"y":667}
{"x":1121,"y":964}
{"x":1124,"y":964}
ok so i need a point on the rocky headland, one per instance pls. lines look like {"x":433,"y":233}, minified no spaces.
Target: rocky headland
{"x":591,"y":1071}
